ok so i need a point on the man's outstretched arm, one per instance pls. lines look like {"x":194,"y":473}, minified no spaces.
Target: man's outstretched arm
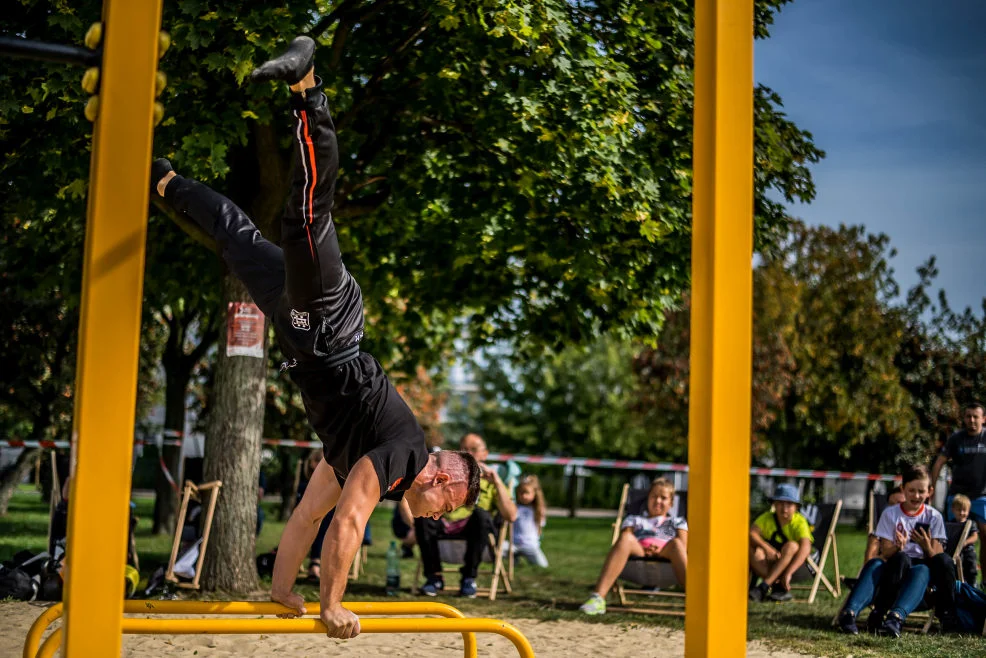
{"x":320,"y":497}
{"x":342,"y":541}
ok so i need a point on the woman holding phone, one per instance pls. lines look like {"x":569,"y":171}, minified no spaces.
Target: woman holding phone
{"x":912,"y":555}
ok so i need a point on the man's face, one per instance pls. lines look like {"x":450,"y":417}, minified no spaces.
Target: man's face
{"x":973,"y":420}
{"x":437,"y":498}
{"x":475,"y":446}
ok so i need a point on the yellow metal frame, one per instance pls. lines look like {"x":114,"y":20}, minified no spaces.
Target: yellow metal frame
{"x":110,"y":330}
{"x":454,"y":622}
{"x":49,"y":616}
{"x":721,"y":329}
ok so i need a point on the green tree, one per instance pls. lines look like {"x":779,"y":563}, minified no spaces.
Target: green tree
{"x":941,"y":357}
{"x":579,"y":401}
{"x":827,"y":391}
{"x":846,"y":407}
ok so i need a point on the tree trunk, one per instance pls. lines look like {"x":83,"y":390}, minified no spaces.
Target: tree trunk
{"x":232,"y":455}
{"x":165,"y":496}
{"x":14,"y":474}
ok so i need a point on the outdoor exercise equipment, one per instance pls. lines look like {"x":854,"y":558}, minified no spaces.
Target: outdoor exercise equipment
{"x":125,"y":49}
{"x":52,"y":614}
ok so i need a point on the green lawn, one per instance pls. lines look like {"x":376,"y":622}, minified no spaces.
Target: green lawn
{"x":575,"y":548}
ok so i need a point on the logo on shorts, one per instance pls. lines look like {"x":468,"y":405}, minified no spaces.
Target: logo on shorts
{"x":299,"y":320}
{"x":394,"y":485}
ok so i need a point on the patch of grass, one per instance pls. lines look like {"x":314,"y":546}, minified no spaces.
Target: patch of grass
{"x":575,"y":548}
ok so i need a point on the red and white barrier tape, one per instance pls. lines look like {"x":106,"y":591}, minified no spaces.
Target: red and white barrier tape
{"x":623,"y":464}
{"x":665,"y":467}
{"x":290,"y":443}
{"x":59,"y":445}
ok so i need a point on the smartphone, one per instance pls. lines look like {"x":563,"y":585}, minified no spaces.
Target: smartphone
{"x":923,"y":526}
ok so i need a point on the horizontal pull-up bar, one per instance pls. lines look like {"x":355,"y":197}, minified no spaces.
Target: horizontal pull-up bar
{"x":48,"y":52}
{"x":171,"y":626}
{"x":151,"y":607}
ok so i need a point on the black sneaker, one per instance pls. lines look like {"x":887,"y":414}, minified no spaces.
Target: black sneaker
{"x":759,"y":592}
{"x":891,"y":626}
{"x":159,"y":169}
{"x":433,"y":586}
{"x":291,"y":66}
{"x":780,"y":595}
{"x":847,"y":623}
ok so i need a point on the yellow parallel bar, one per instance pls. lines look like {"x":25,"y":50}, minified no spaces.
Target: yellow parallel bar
{"x":722,"y":299}
{"x":109,"y":328}
{"x":256,"y":608}
{"x":37,"y":629}
{"x":307,"y":625}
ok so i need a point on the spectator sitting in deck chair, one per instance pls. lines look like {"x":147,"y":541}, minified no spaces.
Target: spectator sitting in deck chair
{"x":912,"y":537}
{"x":895,"y":497}
{"x":961,"y":506}
{"x":474,"y":524}
{"x":658,"y":533}
{"x":780,"y":543}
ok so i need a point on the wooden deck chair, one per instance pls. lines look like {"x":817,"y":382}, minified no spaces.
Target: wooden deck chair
{"x":452,"y":551}
{"x":652,"y":575}
{"x":359,"y":562}
{"x":955,"y":536}
{"x":192,"y":491}
{"x":823,"y":518}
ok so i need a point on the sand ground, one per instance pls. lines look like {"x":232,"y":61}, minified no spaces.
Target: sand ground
{"x":550,"y":639}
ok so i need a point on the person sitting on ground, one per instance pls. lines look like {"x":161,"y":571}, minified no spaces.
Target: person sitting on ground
{"x":780,"y":543}
{"x":473,"y":523}
{"x":373,"y":446}
{"x":658,"y":533}
{"x":961,"y":506}
{"x":895,"y":497}
{"x":531,"y":519}
{"x":912,"y":536}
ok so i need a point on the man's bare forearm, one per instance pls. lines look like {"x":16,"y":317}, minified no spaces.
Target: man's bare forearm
{"x":507,"y":507}
{"x":295,"y":542}
{"x":339,"y":549}
{"x":342,"y":541}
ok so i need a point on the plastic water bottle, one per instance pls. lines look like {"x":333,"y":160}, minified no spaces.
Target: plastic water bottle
{"x":393,"y":569}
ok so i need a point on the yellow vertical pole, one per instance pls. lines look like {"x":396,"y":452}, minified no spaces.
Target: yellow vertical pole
{"x":721,"y":327}
{"x":109,"y":329}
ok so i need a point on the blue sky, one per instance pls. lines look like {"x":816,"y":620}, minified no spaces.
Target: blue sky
{"x":895,"y":92}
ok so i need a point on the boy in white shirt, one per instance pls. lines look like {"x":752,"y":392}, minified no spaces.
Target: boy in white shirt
{"x":912,"y":539}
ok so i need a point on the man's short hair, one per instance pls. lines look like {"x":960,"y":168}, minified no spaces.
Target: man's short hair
{"x":462,"y":465}
{"x":975,"y":404}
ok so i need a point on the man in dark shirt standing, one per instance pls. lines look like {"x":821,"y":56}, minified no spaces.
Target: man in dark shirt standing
{"x":965,"y":453}
{"x":373,"y":446}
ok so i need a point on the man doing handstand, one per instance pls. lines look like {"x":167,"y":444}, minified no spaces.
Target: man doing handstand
{"x":373,"y":446}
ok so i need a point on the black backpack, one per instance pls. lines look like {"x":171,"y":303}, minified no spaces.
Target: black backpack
{"x":17,"y":584}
